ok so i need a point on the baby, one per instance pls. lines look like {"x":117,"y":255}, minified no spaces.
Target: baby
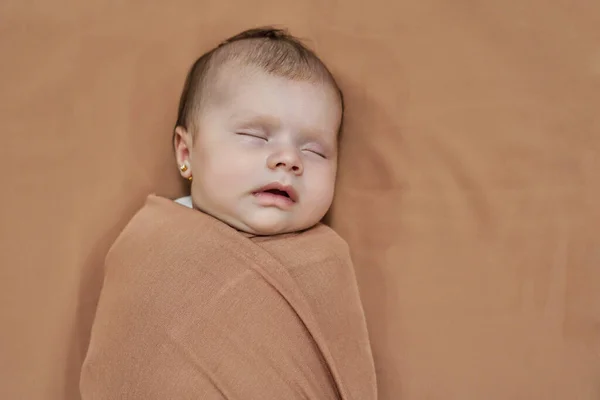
{"x":243,"y":294}
{"x":257,"y":132}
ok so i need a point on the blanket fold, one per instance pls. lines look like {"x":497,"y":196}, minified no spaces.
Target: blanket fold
{"x":192,"y":308}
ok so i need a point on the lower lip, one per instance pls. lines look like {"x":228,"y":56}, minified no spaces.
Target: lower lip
{"x":267,"y":199}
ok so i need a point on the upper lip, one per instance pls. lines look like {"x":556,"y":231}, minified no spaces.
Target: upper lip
{"x":279,"y":186}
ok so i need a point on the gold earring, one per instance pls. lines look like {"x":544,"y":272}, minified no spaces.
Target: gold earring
{"x":190,"y":178}
{"x":183,"y":167}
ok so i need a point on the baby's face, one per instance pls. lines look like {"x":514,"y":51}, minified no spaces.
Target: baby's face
{"x":265,"y":154}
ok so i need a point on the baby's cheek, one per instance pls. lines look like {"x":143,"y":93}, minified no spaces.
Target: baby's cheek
{"x":322,"y":193}
{"x":229,"y":177}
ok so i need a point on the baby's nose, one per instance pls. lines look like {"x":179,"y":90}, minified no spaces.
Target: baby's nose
{"x":288,"y":160}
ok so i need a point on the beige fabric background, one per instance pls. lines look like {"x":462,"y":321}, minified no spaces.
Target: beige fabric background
{"x":469,"y":188}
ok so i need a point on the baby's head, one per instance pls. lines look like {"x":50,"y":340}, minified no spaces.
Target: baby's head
{"x":258,"y":126}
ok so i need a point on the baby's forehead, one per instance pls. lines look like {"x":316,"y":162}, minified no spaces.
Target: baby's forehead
{"x":230,"y":78}
{"x":234,"y":79}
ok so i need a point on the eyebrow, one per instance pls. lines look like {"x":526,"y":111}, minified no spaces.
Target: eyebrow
{"x":253,"y":120}
{"x":316,"y":135}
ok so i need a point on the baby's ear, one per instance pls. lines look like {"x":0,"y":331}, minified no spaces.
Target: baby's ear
{"x":182,"y":142}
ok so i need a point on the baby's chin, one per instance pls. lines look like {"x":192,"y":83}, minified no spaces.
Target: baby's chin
{"x":263,"y":224}
{"x":266,"y":228}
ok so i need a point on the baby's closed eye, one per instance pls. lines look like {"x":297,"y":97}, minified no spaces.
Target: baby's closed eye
{"x":315,"y":150}
{"x":252,"y":134}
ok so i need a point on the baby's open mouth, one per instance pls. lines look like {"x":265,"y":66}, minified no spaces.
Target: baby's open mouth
{"x":277,"y":192}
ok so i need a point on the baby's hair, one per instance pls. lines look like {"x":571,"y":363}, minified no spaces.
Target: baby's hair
{"x":272,"y":50}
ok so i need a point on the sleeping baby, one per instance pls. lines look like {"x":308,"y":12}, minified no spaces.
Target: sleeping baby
{"x":238,"y":291}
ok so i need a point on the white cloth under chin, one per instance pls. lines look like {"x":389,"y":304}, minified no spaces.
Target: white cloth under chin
{"x":185,"y":201}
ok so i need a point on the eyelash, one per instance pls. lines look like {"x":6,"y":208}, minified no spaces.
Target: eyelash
{"x":317,"y":153}
{"x":251,"y":135}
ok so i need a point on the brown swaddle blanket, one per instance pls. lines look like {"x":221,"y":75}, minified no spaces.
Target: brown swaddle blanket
{"x":193,"y":309}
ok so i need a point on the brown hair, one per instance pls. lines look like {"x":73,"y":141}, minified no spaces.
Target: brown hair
{"x":273,"y":50}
